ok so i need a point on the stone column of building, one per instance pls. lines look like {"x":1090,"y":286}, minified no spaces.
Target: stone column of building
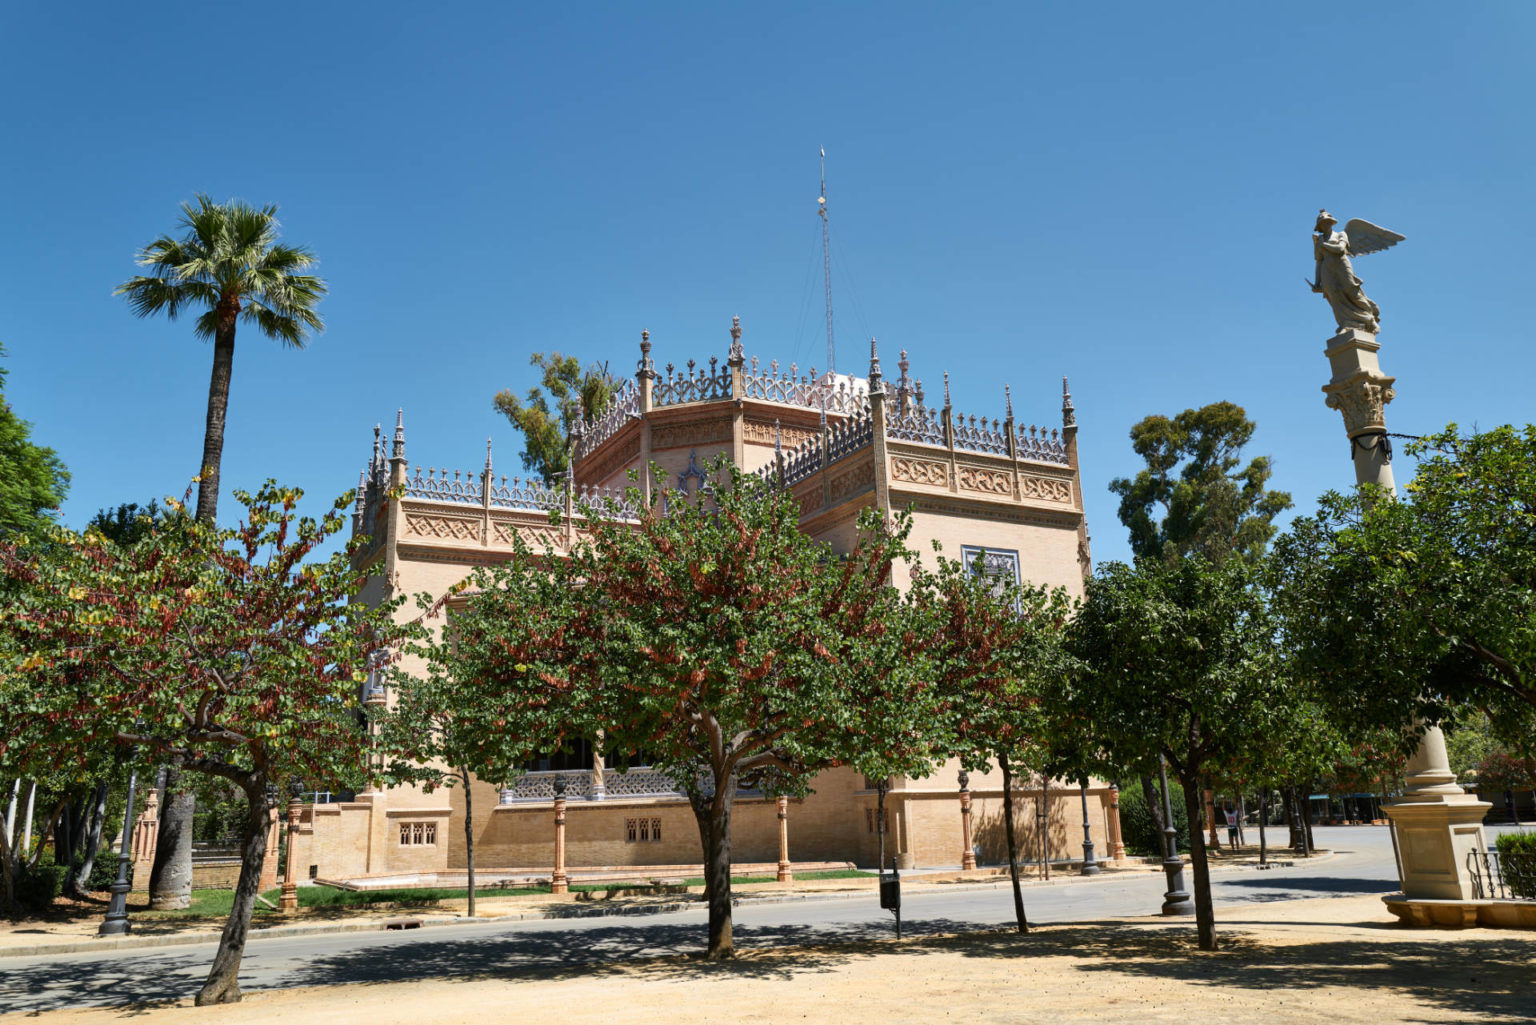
{"x":557,"y":880}
{"x":290,"y":899}
{"x":785,"y":875}
{"x":1438,"y":824}
{"x":967,"y":851}
{"x":146,"y":834}
{"x":1116,"y":844}
{"x":269,"y":858}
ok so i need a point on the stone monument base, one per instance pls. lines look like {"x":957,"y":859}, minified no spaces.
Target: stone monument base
{"x":1462,"y":914}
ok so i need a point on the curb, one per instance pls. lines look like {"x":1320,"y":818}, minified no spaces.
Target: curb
{"x":617,"y":911}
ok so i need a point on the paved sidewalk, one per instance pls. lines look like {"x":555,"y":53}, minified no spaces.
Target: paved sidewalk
{"x":78,"y":933}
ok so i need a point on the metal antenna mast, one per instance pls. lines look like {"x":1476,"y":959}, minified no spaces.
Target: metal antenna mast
{"x":826,"y":259}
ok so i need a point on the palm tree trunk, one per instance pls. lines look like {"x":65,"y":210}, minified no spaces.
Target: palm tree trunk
{"x":218,"y":407}
{"x":170,"y":877}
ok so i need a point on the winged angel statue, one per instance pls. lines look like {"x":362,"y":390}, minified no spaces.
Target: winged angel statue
{"x":1336,"y":275}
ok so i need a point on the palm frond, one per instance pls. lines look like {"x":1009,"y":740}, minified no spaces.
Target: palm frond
{"x":230,"y":251}
{"x":148,"y":296}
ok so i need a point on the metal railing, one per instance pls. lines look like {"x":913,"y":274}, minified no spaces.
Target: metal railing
{"x":1502,"y":876}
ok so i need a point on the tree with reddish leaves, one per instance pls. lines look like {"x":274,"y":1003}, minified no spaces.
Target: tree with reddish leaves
{"x":996,"y":648}
{"x":223,"y":649}
{"x":730,"y":648}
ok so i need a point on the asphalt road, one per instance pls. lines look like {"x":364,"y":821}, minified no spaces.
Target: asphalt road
{"x":1362,"y":865}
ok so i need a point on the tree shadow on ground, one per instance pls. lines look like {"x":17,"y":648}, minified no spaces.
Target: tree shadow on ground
{"x":1483,"y":976}
{"x":547,"y":950}
{"x":1265,"y":888}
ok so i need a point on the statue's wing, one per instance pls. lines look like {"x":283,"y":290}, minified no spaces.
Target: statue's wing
{"x":1365,"y":237}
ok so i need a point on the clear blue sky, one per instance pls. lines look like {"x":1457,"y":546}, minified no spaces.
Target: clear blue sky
{"x":1121,"y":193}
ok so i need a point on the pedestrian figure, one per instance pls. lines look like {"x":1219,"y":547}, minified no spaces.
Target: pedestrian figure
{"x":1231,"y":826}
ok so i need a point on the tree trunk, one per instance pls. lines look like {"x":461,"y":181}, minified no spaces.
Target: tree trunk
{"x":469,"y":839}
{"x":10,"y":812}
{"x":1013,"y":847}
{"x":218,"y":407}
{"x":1302,"y":798}
{"x":223,"y":985}
{"x":1263,"y":815}
{"x":1150,"y":794}
{"x":90,"y":841}
{"x":8,"y":873}
{"x":1045,"y":826}
{"x":714,"y":818}
{"x":1205,"y":915}
{"x":170,"y":877}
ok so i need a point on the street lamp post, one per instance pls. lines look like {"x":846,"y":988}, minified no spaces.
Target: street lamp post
{"x":116,"y":923}
{"x":1176,"y":901}
{"x":1090,"y":863}
{"x":558,"y":882}
{"x":967,"y":851}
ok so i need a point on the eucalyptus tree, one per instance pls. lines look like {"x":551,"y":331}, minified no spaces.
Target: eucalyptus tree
{"x":227,"y":266}
{"x":1196,"y":494}
{"x":546,"y":414}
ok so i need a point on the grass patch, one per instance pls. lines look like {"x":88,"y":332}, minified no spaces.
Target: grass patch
{"x":330,"y":896}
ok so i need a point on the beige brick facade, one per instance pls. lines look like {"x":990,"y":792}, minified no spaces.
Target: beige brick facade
{"x":843,"y":445}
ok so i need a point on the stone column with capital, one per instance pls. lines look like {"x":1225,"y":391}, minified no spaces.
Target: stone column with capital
{"x":1116,"y":842}
{"x":785,"y":875}
{"x":1438,"y":824}
{"x":289,"y":902}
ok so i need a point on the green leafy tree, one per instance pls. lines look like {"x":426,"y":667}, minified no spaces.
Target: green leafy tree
{"x":1408,"y":611}
{"x":1196,"y":495}
{"x":33,"y":480}
{"x":228,"y":651}
{"x":228,"y":266}
{"x":996,"y":648}
{"x":546,"y":414}
{"x":729,"y":647}
{"x":1180,"y":663}
{"x":455,"y":722}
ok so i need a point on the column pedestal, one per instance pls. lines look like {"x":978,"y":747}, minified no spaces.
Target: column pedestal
{"x":1438,"y":824}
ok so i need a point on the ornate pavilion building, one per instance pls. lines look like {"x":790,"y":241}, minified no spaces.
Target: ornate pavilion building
{"x":842,"y":444}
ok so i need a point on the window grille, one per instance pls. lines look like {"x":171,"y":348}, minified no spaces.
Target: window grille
{"x":642,"y":831}
{"x":418,"y":834}
{"x":997,"y":564}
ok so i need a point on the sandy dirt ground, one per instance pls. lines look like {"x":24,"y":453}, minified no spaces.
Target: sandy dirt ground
{"x":1335,"y":960}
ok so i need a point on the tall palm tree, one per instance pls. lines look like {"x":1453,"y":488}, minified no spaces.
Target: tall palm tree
{"x":227,"y":267}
